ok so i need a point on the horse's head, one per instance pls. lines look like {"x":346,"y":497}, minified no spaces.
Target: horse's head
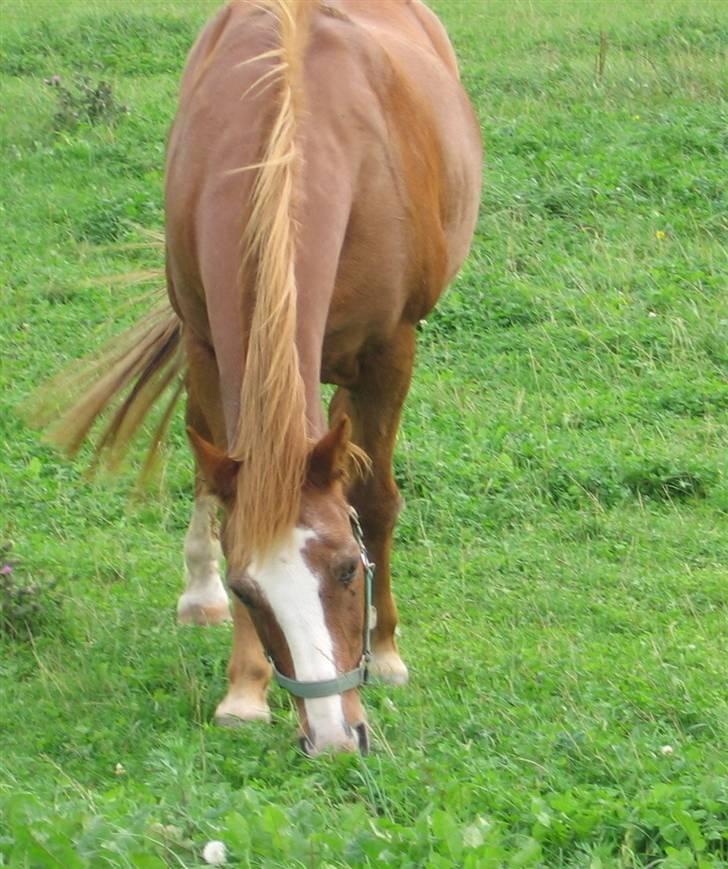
{"x":307,"y":595}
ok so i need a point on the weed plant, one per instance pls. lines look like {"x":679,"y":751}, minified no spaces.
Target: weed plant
{"x":27,"y":605}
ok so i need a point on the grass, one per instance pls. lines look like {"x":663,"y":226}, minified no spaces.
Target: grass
{"x":561,"y":563}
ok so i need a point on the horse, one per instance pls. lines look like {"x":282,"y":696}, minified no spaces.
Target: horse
{"x":322,"y":186}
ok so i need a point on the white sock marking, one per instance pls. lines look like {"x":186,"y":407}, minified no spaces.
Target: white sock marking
{"x":203,"y":585}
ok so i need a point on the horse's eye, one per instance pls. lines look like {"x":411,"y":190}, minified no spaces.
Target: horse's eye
{"x":347,"y":571}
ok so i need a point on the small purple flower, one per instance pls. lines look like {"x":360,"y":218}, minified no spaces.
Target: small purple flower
{"x":6,"y":569}
{"x":53,"y":81}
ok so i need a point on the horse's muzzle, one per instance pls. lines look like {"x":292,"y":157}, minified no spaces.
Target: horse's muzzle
{"x":352,"y":739}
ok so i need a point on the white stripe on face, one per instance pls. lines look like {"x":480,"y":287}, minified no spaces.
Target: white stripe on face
{"x":291,"y":589}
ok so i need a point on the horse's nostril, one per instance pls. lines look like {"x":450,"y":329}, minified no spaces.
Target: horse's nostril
{"x":306,"y":746}
{"x":362,"y":733}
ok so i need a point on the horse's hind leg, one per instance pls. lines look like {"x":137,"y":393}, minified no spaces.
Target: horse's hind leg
{"x":204,"y":600}
{"x":375,"y":406}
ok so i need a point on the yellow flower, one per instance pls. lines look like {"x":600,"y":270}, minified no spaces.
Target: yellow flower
{"x":660,"y":234}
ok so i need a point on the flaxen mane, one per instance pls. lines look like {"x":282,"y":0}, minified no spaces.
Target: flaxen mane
{"x":270,"y":440}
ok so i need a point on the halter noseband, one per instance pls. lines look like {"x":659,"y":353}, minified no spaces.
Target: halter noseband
{"x":360,"y":675}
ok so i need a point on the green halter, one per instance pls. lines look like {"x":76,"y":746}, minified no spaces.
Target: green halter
{"x":360,"y":675}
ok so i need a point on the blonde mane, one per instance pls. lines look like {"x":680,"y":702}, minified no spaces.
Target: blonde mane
{"x":271,"y":441}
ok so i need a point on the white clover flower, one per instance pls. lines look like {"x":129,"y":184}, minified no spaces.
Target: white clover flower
{"x":667,"y":750}
{"x":214,"y":853}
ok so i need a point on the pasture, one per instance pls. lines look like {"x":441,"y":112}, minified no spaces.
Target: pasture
{"x":561,"y":565}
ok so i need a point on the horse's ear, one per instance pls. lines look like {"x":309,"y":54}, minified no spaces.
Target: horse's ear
{"x":329,"y":457}
{"x":218,"y":469}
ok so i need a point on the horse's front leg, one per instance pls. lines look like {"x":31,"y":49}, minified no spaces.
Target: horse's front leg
{"x":248,"y":670}
{"x":204,"y":600}
{"x":248,"y":675}
{"x":375,"y":406}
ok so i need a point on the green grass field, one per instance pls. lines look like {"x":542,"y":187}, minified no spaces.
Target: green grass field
{"x":562,"y":562}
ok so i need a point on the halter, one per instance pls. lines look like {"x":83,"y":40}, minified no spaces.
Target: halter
{"x":360,"y":675}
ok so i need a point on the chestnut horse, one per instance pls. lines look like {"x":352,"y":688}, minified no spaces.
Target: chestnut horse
{"x":323,"y":180}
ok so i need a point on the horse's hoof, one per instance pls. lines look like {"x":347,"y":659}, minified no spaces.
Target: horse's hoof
{"x":236,"y":711}
{"x":194,"y":613}
{"x":388,"y":667}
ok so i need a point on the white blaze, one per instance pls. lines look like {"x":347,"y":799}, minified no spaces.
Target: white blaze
{"x":292,"y":591}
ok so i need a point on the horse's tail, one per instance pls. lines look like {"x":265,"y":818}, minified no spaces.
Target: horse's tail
{"x":129,"y":376}
{"x":271,"y":441}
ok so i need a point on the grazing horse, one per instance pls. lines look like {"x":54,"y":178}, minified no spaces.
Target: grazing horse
{"x":323,"y":180}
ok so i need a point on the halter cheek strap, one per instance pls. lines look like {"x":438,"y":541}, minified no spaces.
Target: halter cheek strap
{"x":359,"y":675}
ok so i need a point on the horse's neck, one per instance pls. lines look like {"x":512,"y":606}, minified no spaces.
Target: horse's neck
{"x":309,"y":341}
